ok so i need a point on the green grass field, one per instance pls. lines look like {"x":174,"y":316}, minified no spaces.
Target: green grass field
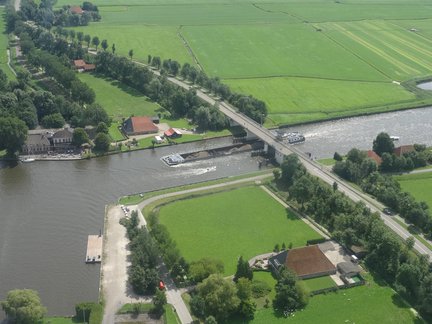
{"x":419,"y":185}
{"x":319,"y":283}
{"x":308,"y":60}
{"x":370,"y":303}
{"x":118,"y":99}
{"x":4,"y":43}
{"x":247,"y":219}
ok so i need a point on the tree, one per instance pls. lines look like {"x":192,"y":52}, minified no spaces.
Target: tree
{"x":87,"y":39}
{"x":276,"y":174}
{"x":104,"y":44}
{"x":383,"y":144}
{"x":243,"y":270}
{"x":302,"y":189}
{"x":219,"y":295}
{"x":290,"y":293}
{"x":72,"y":34}
{"x":53,"y":121}
{"x":113,"y":48}
{"x":95,"y":42}
{"x":201,"y":269}
{"x":79,"y":137}
{"x":131,"y":53}
{"x":102,"y":128}
{"x":149,"y":59}
{"x":23,"y":306}
{"x":335,"y":186}
{"x":159,"y":301}
{"x":102,"y":142}
{"x":244,"y":292}
{"x":337,"y":157}
{"x":80,"y":37}
{"x":210,"y":320}
{"x":13,"y":133}
{"x":291,"y":168}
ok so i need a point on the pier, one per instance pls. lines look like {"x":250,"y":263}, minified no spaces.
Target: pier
{"x":94,"y":249}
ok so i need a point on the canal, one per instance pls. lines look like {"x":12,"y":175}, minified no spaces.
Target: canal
{"x":49,"y":208}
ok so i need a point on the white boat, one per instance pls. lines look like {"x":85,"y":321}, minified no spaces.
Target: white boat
{"x":394,"y":138}
{"x":27,"y":160}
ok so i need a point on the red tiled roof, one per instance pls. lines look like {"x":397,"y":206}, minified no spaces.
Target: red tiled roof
{"x":401,"y":150}
{"x":143,"y":124}
{"x":171,"y":132}
{"x":76,"y":10}
{"x":371,"y":154}
{"x":309,"y":260}
{"x":79,"y":63}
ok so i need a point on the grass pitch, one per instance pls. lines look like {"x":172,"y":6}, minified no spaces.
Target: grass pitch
{"x":225,"y":225}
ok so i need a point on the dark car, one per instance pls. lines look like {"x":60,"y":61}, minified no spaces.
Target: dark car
{"x":388,"y":211}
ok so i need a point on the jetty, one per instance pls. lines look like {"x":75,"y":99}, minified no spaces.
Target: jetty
{"x":94,"y":249}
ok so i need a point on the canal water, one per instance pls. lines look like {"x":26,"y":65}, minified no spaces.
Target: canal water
{"x":47,"y":209}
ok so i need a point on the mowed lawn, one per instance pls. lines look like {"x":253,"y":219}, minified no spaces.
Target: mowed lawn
{"x":245,"y":221}
{"x":419,"y":185}
{"x":118,"y":99}
{"x":371,"y":303}
{"x":4,"y":43}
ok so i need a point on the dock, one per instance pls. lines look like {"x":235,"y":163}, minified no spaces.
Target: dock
{"x":94,"y":249}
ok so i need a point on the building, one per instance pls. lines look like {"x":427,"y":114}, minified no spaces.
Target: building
{"x":348,"y":269}
{"x":139,"y":125}
{"x":62,"y":138}
{"x":306,"y":262}
{"x":403,"y":149}
{"x":82,"y":66}
{"x":173,"y":133}
{"x":76,"y":10}
{"x":36,"y":144}
{"x":372,"y":155}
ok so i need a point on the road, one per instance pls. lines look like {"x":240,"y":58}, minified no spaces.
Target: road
{"x":312,"y":166}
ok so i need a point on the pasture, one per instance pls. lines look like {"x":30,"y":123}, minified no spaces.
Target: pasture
{"x":247,"y":218}
{"x":419,"y":185}
{"x":371,"y":303}
{"x":4,"y":43}
{"x":118,"y":99}
{"x":308,"y":60}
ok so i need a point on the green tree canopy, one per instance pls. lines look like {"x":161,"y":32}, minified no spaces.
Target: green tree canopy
{"x":13,"y":133}
{"x":382,"y":144}
{"x":201,"y":269}
{"x":55,"y":120}
{"x":290,"y":293}
{"x":79,"y":137}
{"x":102,"y":142}
{"x":243,"y":270}
{"x":102,"y":128}
{"x":23,"y":306}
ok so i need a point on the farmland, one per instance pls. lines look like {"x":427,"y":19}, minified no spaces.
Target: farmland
{"x":308,"y":60}
{"x":419,"y":185}
{"x":253,"y":227}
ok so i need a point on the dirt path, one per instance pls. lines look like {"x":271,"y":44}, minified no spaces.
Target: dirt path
{"x":8,"y":62}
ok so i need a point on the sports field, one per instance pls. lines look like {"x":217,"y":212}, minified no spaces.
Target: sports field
{"x":370,"y":303}
{"x":246,"y":218}
{"x":308,"y":60}
{"x":419,"y":185}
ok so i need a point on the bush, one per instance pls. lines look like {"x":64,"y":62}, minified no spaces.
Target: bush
{"x":260,"y":288}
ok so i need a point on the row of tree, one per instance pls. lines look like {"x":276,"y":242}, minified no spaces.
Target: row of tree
{"x":353,"y":224}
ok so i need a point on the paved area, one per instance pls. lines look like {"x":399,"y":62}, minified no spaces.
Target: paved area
{"x":115,"y":288}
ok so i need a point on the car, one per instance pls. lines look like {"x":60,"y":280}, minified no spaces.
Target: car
{"x":388,"y":211}
{"x":161,"y":285}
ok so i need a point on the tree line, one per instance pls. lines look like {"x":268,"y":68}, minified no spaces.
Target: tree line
{"x":353,"y":224}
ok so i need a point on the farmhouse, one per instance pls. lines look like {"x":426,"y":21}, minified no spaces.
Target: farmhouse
{"x":76,"y":10}
{"x":173,"y":133}
{"x":139,"y":125}
{"x":401,"y":150}
{"x":82,"y":66}
{"x":306,"y":262}
{"x":372,"y":155}
{"x":62,"y":138}
{"x":36,"y":144}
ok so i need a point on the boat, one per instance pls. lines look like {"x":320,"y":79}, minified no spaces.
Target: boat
{"x":294,"y":138}
{"x":27,"y":160}
{"x":394,"y":138}
{"x":173,"y":159}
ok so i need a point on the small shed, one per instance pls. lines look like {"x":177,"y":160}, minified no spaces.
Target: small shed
{"x":158,"y":139}
{"x":348,"y":269}
{"x":173,"y":133}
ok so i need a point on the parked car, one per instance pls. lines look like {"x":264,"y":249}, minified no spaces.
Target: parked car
{"x":161,"y":285}
{"x":388,"y":211}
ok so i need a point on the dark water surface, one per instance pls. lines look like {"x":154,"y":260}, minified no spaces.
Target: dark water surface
{"x":47,"y":209}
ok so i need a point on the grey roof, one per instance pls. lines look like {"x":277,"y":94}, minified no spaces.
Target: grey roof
{"x":63,"y":133}
{"x":37,"y":139}
{"x":348,"y":267}
{"x":279,"y":259}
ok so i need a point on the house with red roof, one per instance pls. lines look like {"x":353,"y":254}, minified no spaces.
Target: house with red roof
{"x":403,"y":149}
{"x":82,"y":66}
{"x":76,"y":10}
{"x":372,"y":155}
{"x":173,"y":133}
{"x":139,"y":125}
